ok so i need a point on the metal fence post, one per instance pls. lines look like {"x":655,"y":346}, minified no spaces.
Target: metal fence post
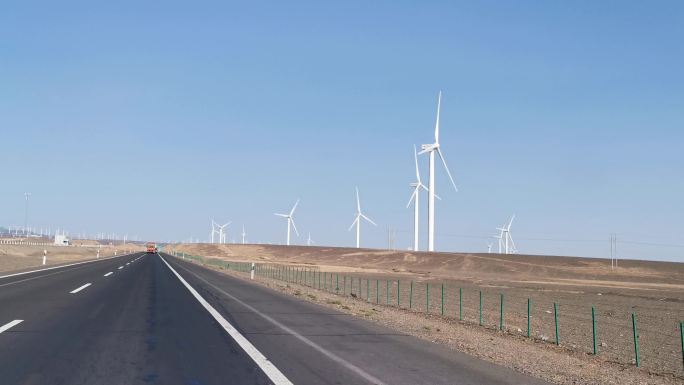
{"x":593,"y":329}
{"x":555,"y":320}
{"x":636,"y":340}
{"x":411,"y":296}
{"x":460,"y":304}
{"x":501,"y":312}
{"x":442,"y":300}
{"x":377,"y":291}
{"x":529,"y":306}
{"x":427,"y":297}
{"x":367,"y":290}
{"x":681,"y":337}
{"x":387,"y":290}
{"x":480,"y":307}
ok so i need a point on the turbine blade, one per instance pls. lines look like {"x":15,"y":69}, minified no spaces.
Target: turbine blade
{"x":426,"y":189}
{"x":358,"y":201}
{"x":415,"y":156}
{"x":294,"y":226}
{"x":412,"y":196}
{"x":353,"y":223}
{"x":446,"y":168}
{"x":368,"y":219}
{"x":294,"y":207}
{"x":439,"y":105}
{"x":281,"y":215}
{"x":511,"y":222}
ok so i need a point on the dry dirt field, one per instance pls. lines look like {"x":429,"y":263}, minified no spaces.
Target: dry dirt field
{"x":21,"y":257}
{"x":654,"y":291}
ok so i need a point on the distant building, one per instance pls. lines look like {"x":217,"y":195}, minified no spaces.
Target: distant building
{"x":61,"y":239}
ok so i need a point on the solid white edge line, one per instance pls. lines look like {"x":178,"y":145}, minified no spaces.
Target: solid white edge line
{"x":57,"y":267}
{"x":266,"y":366}
{"x":80,"y":288}
{"x":108,"y":274}
{"x":9,"y":325}
{"x":360,"y":372}
{"x":120,"y":267}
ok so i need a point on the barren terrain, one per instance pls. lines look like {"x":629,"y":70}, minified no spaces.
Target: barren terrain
{"x":21,"y":257}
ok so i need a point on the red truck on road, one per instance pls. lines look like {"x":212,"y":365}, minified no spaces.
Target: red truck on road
{"x":151,"y":247}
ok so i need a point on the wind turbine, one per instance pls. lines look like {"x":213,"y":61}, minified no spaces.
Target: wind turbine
{"x":222,"y":235}
{"x":506,"y":238}
{"x":357,"y":220}
{"x":415,"y":198}
{"x":431,"y":149}
{"x":244,"y":235}
{"x":489,"y":248}
{"x":213,"y":230}
{"x":309,"y":241}
{"x":290,"y":221}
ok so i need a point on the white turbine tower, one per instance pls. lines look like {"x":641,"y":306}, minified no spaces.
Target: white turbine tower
{"x":244,"y":235}
{"x":309,"y":241}
{"x":415,"y":198}
{"x":213,"y":230}
{"x":505,"y":238}
{"x":290,"y":221}
{"x":357,"y":220}
{"x":431,"y":149}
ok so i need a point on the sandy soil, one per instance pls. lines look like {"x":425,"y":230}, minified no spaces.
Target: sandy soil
{"x":652,"y":290}
{"x":19,"y":257}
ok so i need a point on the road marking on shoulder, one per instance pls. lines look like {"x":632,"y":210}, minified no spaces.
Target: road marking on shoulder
{"x":108,"y":274}
{"x":120,"y":267}
{"x":80,"y":288}
{"x":266,"y":366}
{"x":360,"y":372}
{"x":9,"y":325}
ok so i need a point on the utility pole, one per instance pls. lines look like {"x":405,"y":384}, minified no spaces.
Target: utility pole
{"x":613,"y":251}
{"x":26,"y":195}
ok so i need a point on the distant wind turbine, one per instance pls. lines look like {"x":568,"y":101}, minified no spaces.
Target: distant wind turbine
{"x":415,"y":198}
{"x":309,"y":241}
{"x":357,"y":220}
{"x":505,"y":238}
{"x":244,"y":235}
{"x":431,"y":149}
{"x":290,"y":221}
{"x":222,"y":234}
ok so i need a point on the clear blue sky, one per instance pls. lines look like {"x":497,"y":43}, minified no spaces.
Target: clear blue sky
{"x":150,"y":117}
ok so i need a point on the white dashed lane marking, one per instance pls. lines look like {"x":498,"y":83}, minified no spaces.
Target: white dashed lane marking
{"x":80,"y":288}
{"x":9,"y":325}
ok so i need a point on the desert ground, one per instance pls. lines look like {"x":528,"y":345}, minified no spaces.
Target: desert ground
{"x":22,"y":257}
{"x":654,"y":291}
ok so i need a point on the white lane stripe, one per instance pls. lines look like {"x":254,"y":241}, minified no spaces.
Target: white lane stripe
{"x":362,"y":373}
{"x":9,"y":325}
{"x":120,"y":267}
{"x":80,"y":288}
{"x":57,"y":267}
{"x":108,"y":274}
{"x":266,"y":366}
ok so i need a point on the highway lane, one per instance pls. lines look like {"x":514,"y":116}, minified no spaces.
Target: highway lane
{"x":138,"y":325}
{"x":131,"y":320}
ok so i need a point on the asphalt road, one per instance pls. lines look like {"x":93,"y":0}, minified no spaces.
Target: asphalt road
{"x":166,"y":321}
